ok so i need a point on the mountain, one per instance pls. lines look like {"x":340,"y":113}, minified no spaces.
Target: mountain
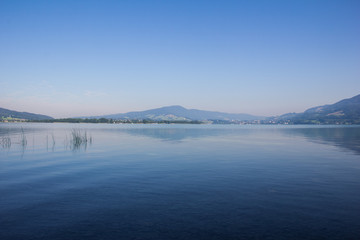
{"x":344,"y":111}
{"x":175,"y":113}
{"x":6,"y":113}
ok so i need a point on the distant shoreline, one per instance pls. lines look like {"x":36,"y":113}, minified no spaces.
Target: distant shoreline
{"x":207,"y":122}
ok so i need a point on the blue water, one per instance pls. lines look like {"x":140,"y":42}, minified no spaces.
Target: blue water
{"x":179,"y":182}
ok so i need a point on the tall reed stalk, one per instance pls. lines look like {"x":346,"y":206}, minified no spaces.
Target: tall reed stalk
{"x":23,"y":140}
{"x":79,"y":138}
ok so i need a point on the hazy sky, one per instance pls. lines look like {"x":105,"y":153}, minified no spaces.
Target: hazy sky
{"x":74,"y":58}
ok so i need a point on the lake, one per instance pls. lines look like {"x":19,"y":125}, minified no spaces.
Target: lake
{"x":157,"y":181}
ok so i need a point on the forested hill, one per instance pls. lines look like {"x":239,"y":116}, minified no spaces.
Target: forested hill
{"x":344,"y":111}
{"x":6,"y":113}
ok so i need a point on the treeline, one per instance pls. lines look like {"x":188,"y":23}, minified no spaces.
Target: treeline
{"x":114,"y":121}
{"x":298,"y":121}
{"x":326,"y":121}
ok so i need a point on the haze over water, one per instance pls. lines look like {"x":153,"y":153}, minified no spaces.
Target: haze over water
{"x":179,"y":182}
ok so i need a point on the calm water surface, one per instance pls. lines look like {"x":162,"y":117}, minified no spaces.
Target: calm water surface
{"x":179,"y":182}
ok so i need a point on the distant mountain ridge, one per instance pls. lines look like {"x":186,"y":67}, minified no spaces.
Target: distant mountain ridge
{"x":176,"y":112}
{"x":6,"y":113}
{"x":344,"y":111}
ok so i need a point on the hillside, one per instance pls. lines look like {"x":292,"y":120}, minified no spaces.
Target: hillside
{"x":180,"y":113}
{"x":344,"y":111}
{"x":6,"y":113}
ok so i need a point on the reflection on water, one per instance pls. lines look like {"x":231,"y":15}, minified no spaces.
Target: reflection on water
{"x":6,"y":142}
{"x":177,"y":134}
{"x":73,"y":138}
{"x":89,"y":181}
{"x":347,"y":138}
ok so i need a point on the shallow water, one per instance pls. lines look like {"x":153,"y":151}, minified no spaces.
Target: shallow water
{"x":179,"y":182}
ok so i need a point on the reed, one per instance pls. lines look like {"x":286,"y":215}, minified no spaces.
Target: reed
{"x":6,"y":142}
{"x":53,"y":139}
{"x":79,"y":138}
{"x":23,"y":140}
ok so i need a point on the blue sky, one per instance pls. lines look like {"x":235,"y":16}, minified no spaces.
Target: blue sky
{"x":74,"y":58}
